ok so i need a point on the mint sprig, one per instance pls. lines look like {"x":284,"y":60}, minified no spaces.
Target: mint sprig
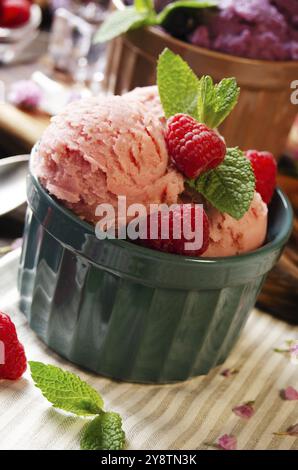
{"x":178,"y":86}
{"x":216,"y":101}
{"x":120,"y":22}
{"x":68,"y":392}
{"x":104,"y":433}
{"x":229,"y":187}
{"x":142,"y":14}
{"x":181,"y":91}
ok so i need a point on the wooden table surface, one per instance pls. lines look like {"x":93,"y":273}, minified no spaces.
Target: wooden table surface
{"x":19,"y":130}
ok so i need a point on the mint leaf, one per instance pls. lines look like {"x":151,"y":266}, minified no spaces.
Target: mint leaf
{"x":120,"y":22}
{"x":65,"y":390}
{"x":144,"y":5}
{"x":215,"y":102}
{"x":229,"y":187}
{"x":206,"y":99}
{"x":178,"y":86}
{"x":181,"y":91}
{"x":104,"y":433}
{"x":227,"y":94}
{"x":162,"y":17}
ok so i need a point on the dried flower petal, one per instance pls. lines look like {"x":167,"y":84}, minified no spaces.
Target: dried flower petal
{"x":227,"y":442}
{"x":229,"y":372}
{"x":289,"y":393}
{"x":291,"y":431}
{"x":245,"y":411}
{"x":25,"y":94}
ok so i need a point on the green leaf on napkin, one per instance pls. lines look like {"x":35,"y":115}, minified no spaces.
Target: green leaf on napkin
{"x":229,"y":187}
{"x":104,"y":433}
{"x":178,"y":86}
{"x":66,"y":390}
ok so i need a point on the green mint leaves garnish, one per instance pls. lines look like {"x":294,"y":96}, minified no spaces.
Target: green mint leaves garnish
{"x":229,"y":187}
{"x":68,"y":392}
{"x":104,"y":433}
{"x":216,"y":101}
{"x":120,"y":22}
{"x":181,"y":91}
{"x":142,"y":14}
{"x":178,"y":86}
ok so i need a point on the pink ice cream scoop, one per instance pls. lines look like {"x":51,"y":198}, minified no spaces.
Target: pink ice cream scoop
{"x":149,"y":98}
{"x":229,"y":237}
{"x":99,"y":148}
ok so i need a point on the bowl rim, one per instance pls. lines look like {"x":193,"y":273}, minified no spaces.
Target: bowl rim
{"x":158,"y":31}
{"x":220,"y":55}
{"x":271,"y":246}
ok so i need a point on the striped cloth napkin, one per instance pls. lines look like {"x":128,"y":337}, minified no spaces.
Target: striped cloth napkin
{"x":190,"y":415}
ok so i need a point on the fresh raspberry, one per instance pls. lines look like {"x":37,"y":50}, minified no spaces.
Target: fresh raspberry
{"x":175,"y":218}
{"x":265,"y":169}
{"x":14,"y":13}
{"x":193,"y":147}
{"x":11,"y":351}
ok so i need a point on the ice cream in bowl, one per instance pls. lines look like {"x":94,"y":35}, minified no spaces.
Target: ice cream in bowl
{"x":147,"y":240}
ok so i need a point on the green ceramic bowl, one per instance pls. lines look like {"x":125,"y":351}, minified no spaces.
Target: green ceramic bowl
{"x":129,"y":312}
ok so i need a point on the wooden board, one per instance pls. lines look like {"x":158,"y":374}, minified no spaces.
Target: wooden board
{"x":23,"y":126}
{"x":280,"y":292}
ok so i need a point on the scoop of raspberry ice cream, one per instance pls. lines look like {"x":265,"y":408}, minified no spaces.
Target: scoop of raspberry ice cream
{"x":229,"y":237}
{"x":99,"y":148}
{"x":148,"y":96}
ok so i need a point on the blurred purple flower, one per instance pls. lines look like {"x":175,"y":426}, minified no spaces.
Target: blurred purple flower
{"x":55,"y":4}
{"x":25,"y":94}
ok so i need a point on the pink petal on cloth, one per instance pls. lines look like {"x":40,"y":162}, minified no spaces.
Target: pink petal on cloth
{"x":227,"y":442}
{"x":291,"y":431}
{"x":229,"y":372}
{"x":245,"y":411}
{"x":289,"y":393}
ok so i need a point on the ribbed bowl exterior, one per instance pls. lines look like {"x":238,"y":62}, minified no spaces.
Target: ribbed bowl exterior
{"x":131,"y":313}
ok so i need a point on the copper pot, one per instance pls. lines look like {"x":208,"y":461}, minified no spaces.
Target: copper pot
{"x":264,"y":115}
